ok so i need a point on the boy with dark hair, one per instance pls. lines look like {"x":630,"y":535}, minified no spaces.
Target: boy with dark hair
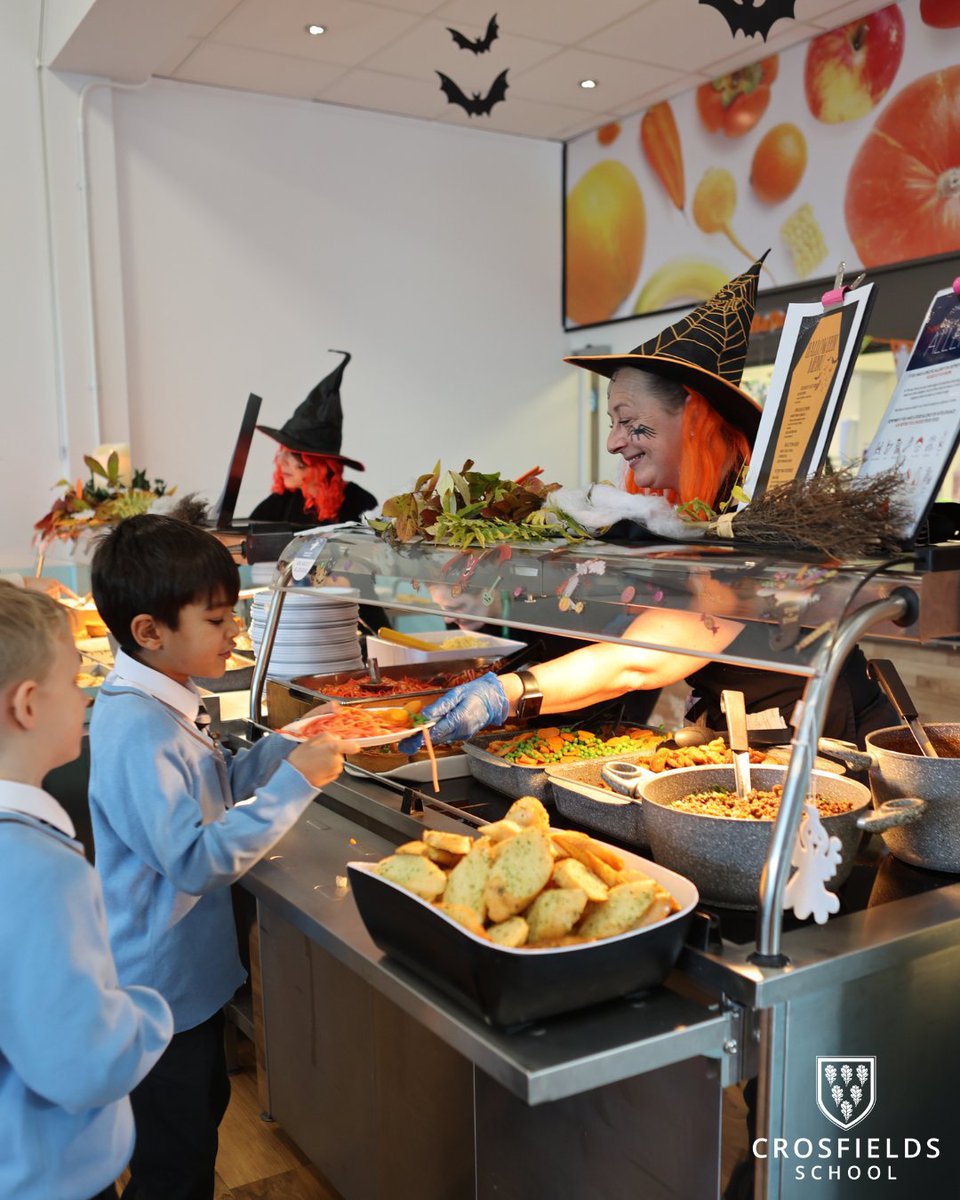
{"x":73,"y":1042}
{"x":176,"y":821}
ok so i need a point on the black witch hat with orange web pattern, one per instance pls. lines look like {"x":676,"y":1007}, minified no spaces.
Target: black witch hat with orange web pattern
{"x":705,"y":350}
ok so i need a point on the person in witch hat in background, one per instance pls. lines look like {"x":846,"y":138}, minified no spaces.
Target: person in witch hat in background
{"x":684,"y":429}
{"x":308,"y":484}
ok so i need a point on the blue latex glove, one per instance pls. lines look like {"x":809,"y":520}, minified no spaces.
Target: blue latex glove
{"x":463,"y":711}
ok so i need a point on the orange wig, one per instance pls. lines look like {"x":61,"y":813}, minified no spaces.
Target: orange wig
{"x":323,"y":486}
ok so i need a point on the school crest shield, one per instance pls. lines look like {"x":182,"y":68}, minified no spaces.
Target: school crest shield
{"x":846,"y":1088}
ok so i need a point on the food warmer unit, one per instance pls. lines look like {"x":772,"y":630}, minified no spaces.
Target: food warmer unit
{"x":394,"y":1089}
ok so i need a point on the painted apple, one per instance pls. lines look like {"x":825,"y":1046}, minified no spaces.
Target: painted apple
{"x":940,"y":14}
{"x":849,"y":70}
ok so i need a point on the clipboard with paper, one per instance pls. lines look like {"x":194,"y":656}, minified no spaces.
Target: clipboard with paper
{"x":919,"y":432}
{"x":815,"y":359}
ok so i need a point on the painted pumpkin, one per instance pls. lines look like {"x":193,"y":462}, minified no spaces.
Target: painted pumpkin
{"x":903,"y":190}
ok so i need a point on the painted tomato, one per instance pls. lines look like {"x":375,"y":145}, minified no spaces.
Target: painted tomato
{"x":903,"y":190}
{"x":734,"y":103}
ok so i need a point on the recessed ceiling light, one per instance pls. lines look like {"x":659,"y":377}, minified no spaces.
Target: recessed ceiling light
{"x":316,"y":30}
{"x":588,"y":83}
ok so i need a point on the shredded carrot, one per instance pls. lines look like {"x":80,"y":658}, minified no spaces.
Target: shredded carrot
{"x":428,"y":746}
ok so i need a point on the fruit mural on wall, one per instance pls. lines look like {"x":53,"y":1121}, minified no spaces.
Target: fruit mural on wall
{"x":903,"y":191}
{"x":849,"y":70}
{"x":843,"y":147}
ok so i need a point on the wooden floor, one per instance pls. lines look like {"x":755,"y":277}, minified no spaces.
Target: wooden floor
{"x":257,"y":1161}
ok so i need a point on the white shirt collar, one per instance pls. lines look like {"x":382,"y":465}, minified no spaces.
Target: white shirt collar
{"x":35,"y":802}
{"x":184,"y":697}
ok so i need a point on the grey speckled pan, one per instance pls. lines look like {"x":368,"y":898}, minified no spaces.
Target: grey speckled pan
{"x":724,"y":856}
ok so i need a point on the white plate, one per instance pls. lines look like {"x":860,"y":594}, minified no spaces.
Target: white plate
{"x":315,"y":597}
{"x":377,"y":739}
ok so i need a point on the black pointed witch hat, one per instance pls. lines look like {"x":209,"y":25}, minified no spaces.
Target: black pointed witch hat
{"x":316,"y":426}
{"x":705,"y":350}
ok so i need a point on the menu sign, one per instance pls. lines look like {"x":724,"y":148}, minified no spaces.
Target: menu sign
{"x":815,"y":358}
{"x":920,"y":429}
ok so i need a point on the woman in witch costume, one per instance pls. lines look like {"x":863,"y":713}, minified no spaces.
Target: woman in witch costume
{"x":308,"y":484}
{"x":684,"y":429}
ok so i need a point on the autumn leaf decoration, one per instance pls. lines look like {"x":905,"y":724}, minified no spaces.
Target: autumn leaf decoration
{"x":467,"y":507}
{"x":103,"y":500}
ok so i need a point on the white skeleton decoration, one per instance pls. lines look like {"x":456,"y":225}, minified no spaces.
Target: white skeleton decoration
{"x":816,"y":855}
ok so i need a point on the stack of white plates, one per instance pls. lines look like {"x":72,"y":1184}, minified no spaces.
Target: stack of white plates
{"x":317,"y":633}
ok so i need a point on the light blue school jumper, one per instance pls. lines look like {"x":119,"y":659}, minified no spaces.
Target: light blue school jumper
{"x":73,"y":1043}
{"x":176,"y":820}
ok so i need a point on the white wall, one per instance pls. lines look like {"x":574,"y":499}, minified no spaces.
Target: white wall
{"x":30,"y":438}
{"x":257,"y":233}
{"x":236,"y":238}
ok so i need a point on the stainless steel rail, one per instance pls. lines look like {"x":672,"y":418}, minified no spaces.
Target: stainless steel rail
{"x":266,"y":646}
{"x":816,"y":696}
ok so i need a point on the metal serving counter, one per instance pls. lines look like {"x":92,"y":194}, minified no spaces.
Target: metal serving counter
{"x":380,"y":1078}
{"x":354,"y":1039}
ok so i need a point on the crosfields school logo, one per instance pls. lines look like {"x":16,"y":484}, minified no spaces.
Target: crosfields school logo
{"x":846,"y":1088}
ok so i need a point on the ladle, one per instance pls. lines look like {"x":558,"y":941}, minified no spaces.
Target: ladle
{"x":886,"y":674}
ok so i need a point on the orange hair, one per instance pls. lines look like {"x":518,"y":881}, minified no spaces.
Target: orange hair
{"x":323,"y":486}
{"x":714,"y":452}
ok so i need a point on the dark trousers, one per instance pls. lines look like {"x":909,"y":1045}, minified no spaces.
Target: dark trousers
{"x":177,"y":1109}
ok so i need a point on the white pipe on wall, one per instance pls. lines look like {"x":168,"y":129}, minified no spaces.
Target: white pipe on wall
{"x":93,"y":365}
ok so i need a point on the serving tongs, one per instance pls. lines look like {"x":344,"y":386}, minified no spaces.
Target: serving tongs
{"x":733,"y":707}
{"x":887,"y":675}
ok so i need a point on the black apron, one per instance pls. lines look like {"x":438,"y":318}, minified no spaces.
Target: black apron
{"x":856,"y":708}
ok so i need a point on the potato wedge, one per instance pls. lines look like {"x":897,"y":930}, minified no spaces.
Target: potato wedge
{"x":570,"y":873}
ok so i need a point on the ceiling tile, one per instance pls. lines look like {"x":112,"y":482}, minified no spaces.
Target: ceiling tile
{"x":430,"y":46}
{"x":256,"y":71}
{"x":673,"y":33}
{"x":169,"y":63}
{"x":354,"y":30}
{"x":526,"y":117}
{"x":558,"y":80}
{"x":362,"y":88}
{"x":422,"y":7}
{"x":210,"y":16}
{"x":752,"y":52}
{"x":557,"y":21}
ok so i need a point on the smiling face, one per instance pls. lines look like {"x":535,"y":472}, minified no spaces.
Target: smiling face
{"x":200,"y":645}
{"x":644,"y":431}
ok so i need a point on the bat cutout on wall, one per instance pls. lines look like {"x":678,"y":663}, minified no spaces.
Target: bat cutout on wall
{"x":475,"y":105}
{"x":752,"y":17}
{"x":477,"y":45}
